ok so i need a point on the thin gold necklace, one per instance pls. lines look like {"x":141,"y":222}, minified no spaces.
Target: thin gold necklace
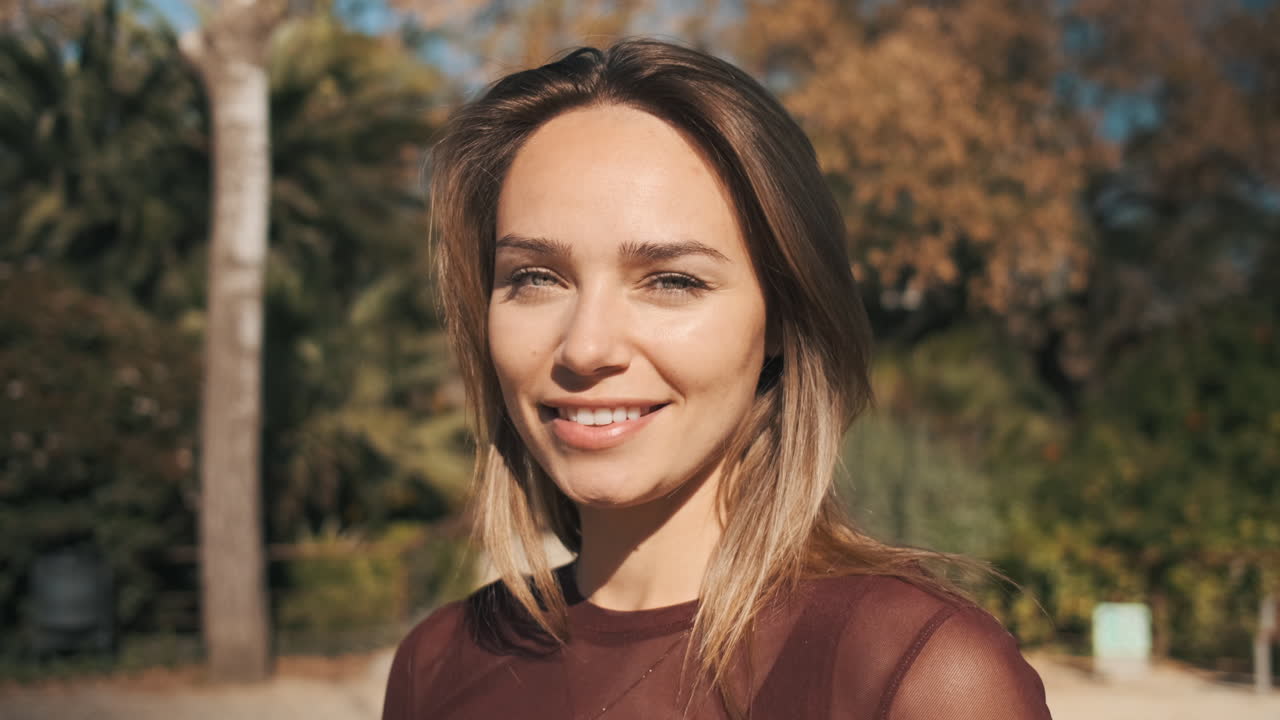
{"x":643,"y":675}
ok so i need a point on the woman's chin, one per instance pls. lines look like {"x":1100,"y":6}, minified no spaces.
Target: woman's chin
{"x":597,"y":495}
{"x":608,"y":499}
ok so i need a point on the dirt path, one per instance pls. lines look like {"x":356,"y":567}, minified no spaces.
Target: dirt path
{"x":351,"y":689}
{"x":1167,"y":693}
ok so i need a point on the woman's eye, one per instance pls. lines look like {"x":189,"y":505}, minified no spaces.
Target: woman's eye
{"x":532,"y":277}
{"x":676,"y":282}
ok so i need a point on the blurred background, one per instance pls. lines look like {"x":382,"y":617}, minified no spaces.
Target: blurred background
{"x":1064,"y":214}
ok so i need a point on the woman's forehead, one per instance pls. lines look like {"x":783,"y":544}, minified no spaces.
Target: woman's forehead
{"x":607,"y":175}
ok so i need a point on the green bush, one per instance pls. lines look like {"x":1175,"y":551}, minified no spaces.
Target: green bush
{"x":97,"y":436}
{"x":1166,"y":490}
{"x":335,"y":585}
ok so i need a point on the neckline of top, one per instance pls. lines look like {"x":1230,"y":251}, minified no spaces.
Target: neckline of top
{"x":586,"y":615}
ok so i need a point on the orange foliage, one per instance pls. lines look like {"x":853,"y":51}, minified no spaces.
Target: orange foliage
{"x":943,"y":124}
{"x":509,"y":36}
{"x":1213,"y":67}
{"x":957,"y":164}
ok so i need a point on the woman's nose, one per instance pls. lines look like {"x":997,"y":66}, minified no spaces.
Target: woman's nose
{"x":594,"y":340}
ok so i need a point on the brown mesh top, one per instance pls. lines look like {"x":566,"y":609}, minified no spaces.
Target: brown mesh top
{"x":864,"y":647}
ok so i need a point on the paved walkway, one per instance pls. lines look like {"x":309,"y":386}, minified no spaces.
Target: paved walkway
{"x":351,"y":689}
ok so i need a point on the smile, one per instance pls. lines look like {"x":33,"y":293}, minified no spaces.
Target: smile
{"x":598,"y":428}
{"x":604,"y":416}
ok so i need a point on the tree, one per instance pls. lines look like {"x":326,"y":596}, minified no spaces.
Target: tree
{"x":231,"y":53}
{"x":1185,"y":220}
{"x":97,"y":436}
{"x":1206,"y":73}
{"x":357,"y":432}
{"x":104,"y":164}
{"x":932,"y":464}
{"x":501,"y":36}
{"x":102,"y":152}
{"x":1166,"y":492}
{"x":957,"y":166}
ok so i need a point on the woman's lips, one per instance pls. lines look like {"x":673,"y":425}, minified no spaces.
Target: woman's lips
{"x":598,"y":437}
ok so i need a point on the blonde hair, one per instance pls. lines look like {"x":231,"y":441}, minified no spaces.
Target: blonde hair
{"x":782,"y":519}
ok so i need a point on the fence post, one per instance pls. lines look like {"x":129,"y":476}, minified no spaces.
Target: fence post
{"x":1262,"y":643}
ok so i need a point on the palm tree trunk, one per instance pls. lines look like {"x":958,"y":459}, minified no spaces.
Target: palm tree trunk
{"x":231,"y":54}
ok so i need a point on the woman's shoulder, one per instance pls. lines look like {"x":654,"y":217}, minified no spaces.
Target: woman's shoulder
{"x":418,"y":660}
{"x":488,"y":622}
{"x":886,"y":613}
{"x":908,"y":616}
{"x":436,"y":629}
{"x":862,"y":596}
{"x":423,"y":646}
{"x":911,"y":650}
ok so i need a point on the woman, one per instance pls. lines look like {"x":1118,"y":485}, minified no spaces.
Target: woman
{"x":645,"y":280}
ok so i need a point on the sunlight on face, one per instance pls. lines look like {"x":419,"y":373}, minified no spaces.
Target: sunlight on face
{"x":627,"y":325}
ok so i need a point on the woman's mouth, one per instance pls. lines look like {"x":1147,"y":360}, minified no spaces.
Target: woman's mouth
{"x":604,"y":416}
{"x":598,"y":428}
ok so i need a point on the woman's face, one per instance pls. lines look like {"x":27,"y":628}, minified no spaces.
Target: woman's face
{"x":627,"y":325}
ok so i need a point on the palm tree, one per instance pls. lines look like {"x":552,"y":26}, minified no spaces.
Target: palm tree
{"x":113,"y":184}
{"x":101,"y":151}
{"x":230,"y":52}
{"x":349,"y":300}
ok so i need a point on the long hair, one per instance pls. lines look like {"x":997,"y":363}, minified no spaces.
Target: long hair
{"x":782,"y":519}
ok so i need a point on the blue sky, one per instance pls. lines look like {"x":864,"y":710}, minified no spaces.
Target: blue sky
{"x":372,"y":16}
{"x":179,"y":13}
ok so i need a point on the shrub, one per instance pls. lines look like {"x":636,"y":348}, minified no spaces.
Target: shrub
{"x":97,"y":436}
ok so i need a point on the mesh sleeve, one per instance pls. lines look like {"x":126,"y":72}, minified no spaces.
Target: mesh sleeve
{"x":417,"y":663}
{"x":967,"y":668}
{"x":398,"y":701}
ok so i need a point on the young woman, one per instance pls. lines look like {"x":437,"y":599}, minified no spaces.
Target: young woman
{"x":645,"y":280}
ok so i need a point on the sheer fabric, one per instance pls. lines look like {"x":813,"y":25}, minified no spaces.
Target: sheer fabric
{"x":859,"y":647}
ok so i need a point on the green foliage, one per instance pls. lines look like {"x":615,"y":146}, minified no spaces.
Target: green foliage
{"x":940,"y":462}
{"x":1166,"y":491}
{"x":104,"y":170}
{"x":911,"y":487}
{"x":328,"y":593}
{"x":335,"y":585}
{"x":102,"y":152}
{"x":1162,"y":489}
{"x":974,"y":386}
{"x":349,"y":113}
{"x":104,"y":174}
{"x":98,"y":435}
{"x":355,"y":433}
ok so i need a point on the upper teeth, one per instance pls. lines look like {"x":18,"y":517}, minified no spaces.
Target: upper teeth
{"x":601,"y":416}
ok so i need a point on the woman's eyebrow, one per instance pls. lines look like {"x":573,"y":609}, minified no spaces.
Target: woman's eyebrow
{"x":539,"y":245}
{"x":660,"y":251}
{"x":630,"y":251}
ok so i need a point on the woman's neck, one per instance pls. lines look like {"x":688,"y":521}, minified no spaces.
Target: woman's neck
{"x":651,"y":555}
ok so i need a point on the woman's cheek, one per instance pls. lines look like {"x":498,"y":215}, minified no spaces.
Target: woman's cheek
{"x":505,"y":340}
{"x":712,"y":352}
